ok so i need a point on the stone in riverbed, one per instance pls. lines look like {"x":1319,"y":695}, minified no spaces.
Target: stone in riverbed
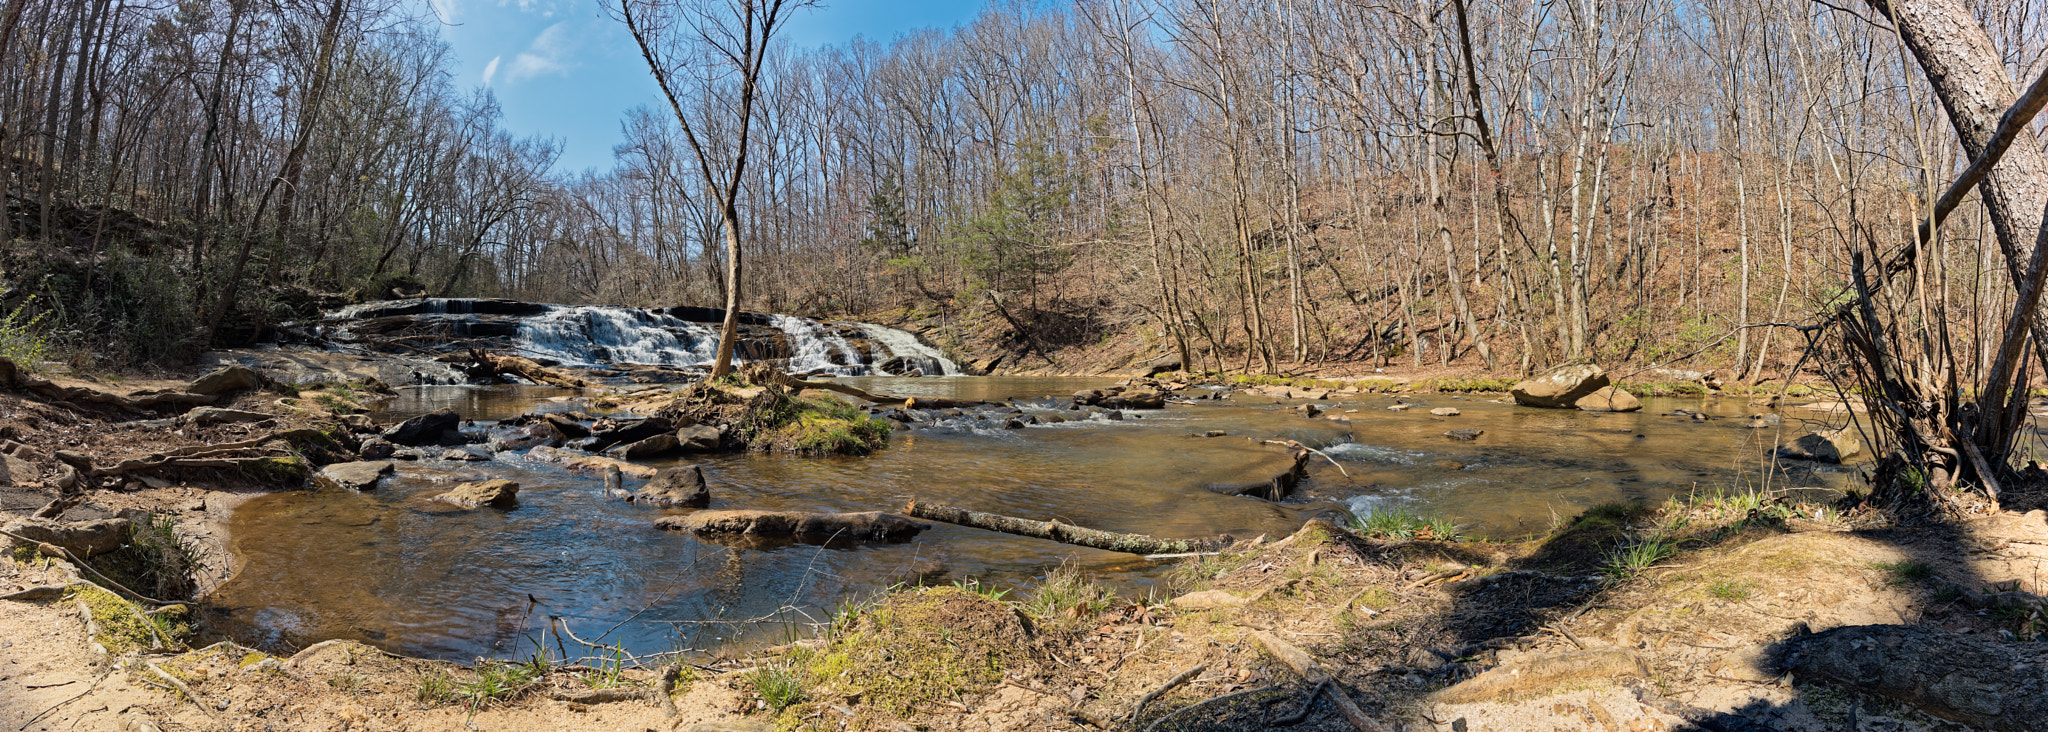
{"x":1609,"y":399}
{"x":460,"y":455}
{"x":529,"y":437}
{"x":442,"y":428}
{"x":1560,"y":387}
{"x":865,"y":526}
{"x":497,"y":493}
{"x":359,"y":476}
{"x":617,"y":433}
{"x":682,"y":487}
{"x":698,"y":438}
{"x":581,"y":463}
{"x":653,"y":447}
{"x":1445,"y":411}
{"x":1466,"y":435}
{"x":570,"y":429}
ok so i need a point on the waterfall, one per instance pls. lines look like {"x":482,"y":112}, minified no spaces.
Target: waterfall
{"x":594,"y":336}
{"x":678,"y":337}
{"x":814,"y":345}
{"x":906,"y":346}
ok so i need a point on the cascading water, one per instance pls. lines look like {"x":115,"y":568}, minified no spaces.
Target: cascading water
{"x":680,"y":337}
{"x":591,"y":336}
{"x":815,"y":346}
{"x":901,"y":345}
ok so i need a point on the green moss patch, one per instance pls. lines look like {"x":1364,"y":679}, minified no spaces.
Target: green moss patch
{"x":122,"y":629}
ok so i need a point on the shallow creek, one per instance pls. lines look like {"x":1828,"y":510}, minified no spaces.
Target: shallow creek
{"x":396,"y":569}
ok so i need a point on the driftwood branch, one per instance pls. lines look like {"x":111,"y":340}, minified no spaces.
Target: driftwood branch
{"x":525,"y":368}
{"x":791,"y":382}
{"x":1063,"y":533}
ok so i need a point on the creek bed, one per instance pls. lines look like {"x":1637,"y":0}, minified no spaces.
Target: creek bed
{"x":392,"y":568}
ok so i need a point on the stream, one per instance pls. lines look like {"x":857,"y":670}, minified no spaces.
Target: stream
{"x":397,"y":570}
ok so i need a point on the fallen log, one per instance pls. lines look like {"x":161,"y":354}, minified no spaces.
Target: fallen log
{"x":770,"y":374}
{"x":526,"y":368}
{"x":1064,"y":533}
{"x":1306,"y":667}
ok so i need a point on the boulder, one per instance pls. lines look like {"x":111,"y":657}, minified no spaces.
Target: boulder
{"x":865,"y":526}
{"x":229,"y":380}
{"x":497,"y":493}
{"x":1398,"y":408}
{"x":1139,"y":398}
{"x":1445,"y":411}
{"x":682,"y":487}
{"x":698,"y":438}
{"x":460,"y":455}
{"x":15,"y":470}
{"x":1088,"y":397}
{"x":82,"y":538}
{"x":1826,"y":446}
{"x":653,"y":447}
{"x":215,"y":415}
{"x":442,"y":428}
{"x":570,"y":428}
{"x":526,"y":438}
{"x":1286,"y":473}
{"x":1561,"y":387}
{"x":1609,"y":399}
{"x":361,"y":476}
{"x":376,"y":449}
{"x":608,"y":433}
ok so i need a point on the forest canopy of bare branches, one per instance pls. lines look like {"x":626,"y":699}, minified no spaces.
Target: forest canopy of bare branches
{"x":1490,"y":184}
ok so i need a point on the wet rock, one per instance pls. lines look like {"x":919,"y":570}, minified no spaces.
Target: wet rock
{"x":461,"y":455}
{"x":581,"y":463}
{"x":1445,"y":411}
{"x":1609,"y":399}
{"x":647,"y":449}
{"x":442,"y":428}
{"x":215,"y":415}
{"x":1827,"y":446}
{"x":359,"y":476}
{"x":376,"y":449}
{"x":1286,"y":475}
{"x":608,"y":433}
{"x":1087,"y":397}
{"x":698,"y":438}
{"x":359,"y":423}
{"x":866,"y":526}
{"x":230,"y":380}
{"x":83,"y":538}
{"x":531,"y":436}
{"x":1561,"y":387}
{"x":1014,"y":424}
{"x":1310,"y":409}
{"x":1214,"y":433}
{"x":496,"y":493}
{"x":570,"y":428}
{"x":1114,"y":415}
{"x":1399,"y":408}
{"x":682,"y":487}
{"x":1466,"y":435}
{"x":1141,"y":398}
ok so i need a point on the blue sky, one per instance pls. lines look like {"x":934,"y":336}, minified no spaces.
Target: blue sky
{"x":562,"y":69}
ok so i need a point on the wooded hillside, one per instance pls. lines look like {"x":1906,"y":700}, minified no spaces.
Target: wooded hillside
{"x":1489,"y":184}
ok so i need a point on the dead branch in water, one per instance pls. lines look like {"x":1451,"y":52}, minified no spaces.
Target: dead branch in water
{"x":525,"y":368}
{"x":1063,"y":533}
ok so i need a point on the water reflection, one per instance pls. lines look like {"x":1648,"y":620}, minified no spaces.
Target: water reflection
{"x":394,"y":568}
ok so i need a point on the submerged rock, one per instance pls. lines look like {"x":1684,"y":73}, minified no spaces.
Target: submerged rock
{"x":682,"y":487}
{"x":497,"y":493}
{"x":864,"y":526}
{"x":1561,"y":387}
{"x":1445,"y":411}
{"x":1466,"y":435}
{"x":359,"y":476}
{"x":1286,"y":475}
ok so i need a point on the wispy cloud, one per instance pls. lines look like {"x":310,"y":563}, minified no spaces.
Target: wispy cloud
{"x":491,"y":69}
{"x":549,"y":53}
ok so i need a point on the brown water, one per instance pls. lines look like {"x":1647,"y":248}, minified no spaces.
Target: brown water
{"x":394,"y":568}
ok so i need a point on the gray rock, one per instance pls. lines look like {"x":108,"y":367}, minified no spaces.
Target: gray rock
{"x":428,"y":429}
{"x":531,"y":436}
{"x":682,"y":487}
{"x":1466,"y":435}
{"x":570,"y":428}
{"x":83,"y":538}
{"x":647,"y":449}
{"x":1827,"y":446}
{"x":461,"y":455}
{"x":698,"y":438}
{"x":360,"y":476}
{"x":377,"y":449}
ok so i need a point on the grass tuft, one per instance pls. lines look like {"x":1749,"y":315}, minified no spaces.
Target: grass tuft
{"x":1402,"y":524}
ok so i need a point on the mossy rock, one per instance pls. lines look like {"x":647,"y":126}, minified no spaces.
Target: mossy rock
{"x":920,"y":648}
